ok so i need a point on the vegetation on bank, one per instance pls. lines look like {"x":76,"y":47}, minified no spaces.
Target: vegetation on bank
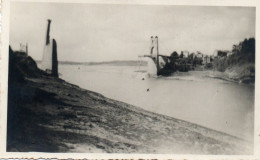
{"x":242,"y":53}
{"x":181,"y":63}
{"x":240,"y":65}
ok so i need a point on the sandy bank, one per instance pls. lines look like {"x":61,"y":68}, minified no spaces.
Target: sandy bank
{"x":50,"y":115}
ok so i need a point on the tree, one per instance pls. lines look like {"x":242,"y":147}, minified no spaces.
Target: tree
{"x":182,"y":55}
{"x":174,"y":55}
{"x":245,"y":49}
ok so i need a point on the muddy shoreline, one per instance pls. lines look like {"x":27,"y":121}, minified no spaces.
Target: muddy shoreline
{"x":70,"y":119}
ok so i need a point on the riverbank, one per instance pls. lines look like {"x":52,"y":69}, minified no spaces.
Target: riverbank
{"x":47,"y":114}
{"x":240,"y":64}
{"x":242,"y":73}
{"x":239,"y":73}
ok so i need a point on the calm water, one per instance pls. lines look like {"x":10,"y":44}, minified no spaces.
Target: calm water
{"x":213,"y":103}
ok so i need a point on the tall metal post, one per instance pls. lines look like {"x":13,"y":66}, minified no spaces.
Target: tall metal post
{"x":48,"y":32}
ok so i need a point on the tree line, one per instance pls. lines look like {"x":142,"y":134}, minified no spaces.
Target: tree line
{"x":242,"y":53}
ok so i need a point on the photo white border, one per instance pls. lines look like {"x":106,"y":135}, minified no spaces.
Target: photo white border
{"x":4,"y":80}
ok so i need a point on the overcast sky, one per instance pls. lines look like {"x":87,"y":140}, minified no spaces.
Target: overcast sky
{"x":104,"y":32}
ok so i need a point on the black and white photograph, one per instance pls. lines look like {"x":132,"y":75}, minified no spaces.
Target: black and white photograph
{"x":131,"y":78}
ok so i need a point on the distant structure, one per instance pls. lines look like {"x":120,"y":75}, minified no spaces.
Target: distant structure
{"x":186,"y":53}
{"x":24,"y":48}
{"x":157,"y":62}
{"x":199,"y":54}
{"x":222,"y":53}
{"x":206,"y":59}
{"x":229,"y":53}
{"x":164,"y":65}
{"x":50,"y":58}
{"x":155,"y":52}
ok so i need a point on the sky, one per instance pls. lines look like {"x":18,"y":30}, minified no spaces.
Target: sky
{"x":105,"y":32}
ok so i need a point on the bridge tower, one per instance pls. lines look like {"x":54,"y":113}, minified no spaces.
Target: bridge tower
{"x":50,"y":60}
{"x":157,"y":54}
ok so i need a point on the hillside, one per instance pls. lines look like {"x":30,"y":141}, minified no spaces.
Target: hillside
{"x":47,"y":114}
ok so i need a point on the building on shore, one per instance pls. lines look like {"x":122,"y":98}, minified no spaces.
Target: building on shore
{"x":221,"y":53}
{"x":206,"y":59}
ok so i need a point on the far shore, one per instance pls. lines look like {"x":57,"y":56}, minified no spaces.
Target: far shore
{"x":114,"y":62}
{"x":237,"y":74}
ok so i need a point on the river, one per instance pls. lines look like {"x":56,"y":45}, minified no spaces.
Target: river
{"x":192,"y":96}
